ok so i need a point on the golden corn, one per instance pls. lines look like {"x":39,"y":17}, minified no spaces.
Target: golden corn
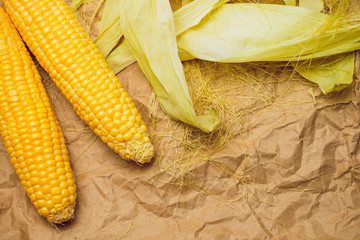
{"x":73,"y":61}
{"x":30,"y":131}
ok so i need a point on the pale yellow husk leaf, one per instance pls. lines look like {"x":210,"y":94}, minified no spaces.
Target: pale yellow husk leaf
{"x":315,"y":5}
{"x":331,"y":74}
{"x":149,"y":30}
{"x":184,"y":18}
{"x":259,"y":32}
{"x":192,"y":13}
{"x":265,"y":32}
{"x":290,"y":2}
{"x":110,"y":27}
{"x":120,"y":58}
{"x":211,"y":30}
{"x":75,"y":4}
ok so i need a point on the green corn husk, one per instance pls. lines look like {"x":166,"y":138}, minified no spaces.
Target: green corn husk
{"x":149,"y":30}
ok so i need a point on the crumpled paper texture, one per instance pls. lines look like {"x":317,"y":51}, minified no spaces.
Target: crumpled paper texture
{"x":301,"y":168}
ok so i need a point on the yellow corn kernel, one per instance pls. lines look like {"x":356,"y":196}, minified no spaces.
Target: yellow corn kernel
{"x":65,"y":201}
{"x":29,"y":129}
{"x":137,"y":136}
{"x":119,"y":138}
{"x":41,"y":203}
{"x":94,"y":90}
{"x":46,"y":189}
{"x":57,"y":199}
{"x":65,"y":193}
{"x":110,"y":139}
{"x":55,"y":191}
{"x":39,"y":195}
{"x":72,"y":199}
{"x":44,"y":211}
{"x":64,"y":185}
{"x":128,"y":136}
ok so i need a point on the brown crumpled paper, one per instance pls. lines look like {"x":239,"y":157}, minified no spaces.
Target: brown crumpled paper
{"x":301,"y":164}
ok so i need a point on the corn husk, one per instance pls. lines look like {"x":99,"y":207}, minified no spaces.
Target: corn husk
{"x":184,"y":18}
{"x":149,"y":30}
{"x":259,"y":32}
{"x":211,"y":30}
{"x":120,"y":58}
{"x":75,"y":4}
{"x":315,"y":5}
{"x":331,"y":74}
{"x":191,"y":14}
{"x":266,"y":32}
{"x":290,"y":2}
{"x":284,"y":41}
{"x":110,"y":28}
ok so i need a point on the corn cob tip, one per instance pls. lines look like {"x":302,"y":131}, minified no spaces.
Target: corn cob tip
{"x":146,"y":155}
{"x":141,"y":151}
{"x":62,"y":216}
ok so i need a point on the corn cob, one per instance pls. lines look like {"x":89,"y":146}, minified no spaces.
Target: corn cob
{"x":30,"y":131}
{"x":66,"y":52}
